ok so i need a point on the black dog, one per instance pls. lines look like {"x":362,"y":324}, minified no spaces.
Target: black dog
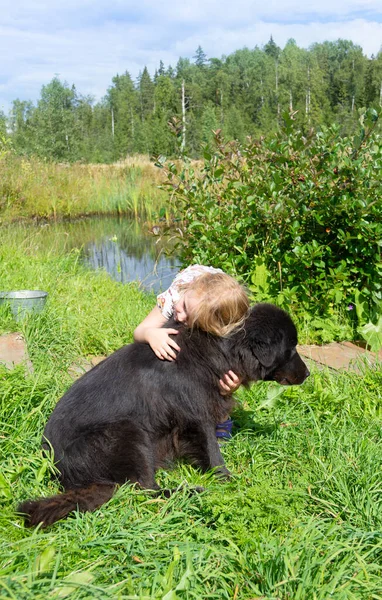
{"x":133,"y":413}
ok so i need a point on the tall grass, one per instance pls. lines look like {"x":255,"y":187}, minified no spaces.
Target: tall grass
{"x":34,"y":188}
{"x":300,"y":519}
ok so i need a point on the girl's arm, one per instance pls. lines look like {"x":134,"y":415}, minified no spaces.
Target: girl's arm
{"x":150,"y":331}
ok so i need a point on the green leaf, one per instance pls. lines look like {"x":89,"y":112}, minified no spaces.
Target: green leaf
{"x":171,"y":595}
{"x":44,"y":560}
{"x":273,"y":394}
{"x":73,"y":582}
{"x":195,"y":224}
{"x":42,"y":470}
{"x":372,"y":334}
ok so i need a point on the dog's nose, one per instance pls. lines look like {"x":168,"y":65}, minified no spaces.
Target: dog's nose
{"x":307,"y":373}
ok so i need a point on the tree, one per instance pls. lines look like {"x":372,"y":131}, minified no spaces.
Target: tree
{"x":273,"y":51}
{"x":123,"y":105}
{"x":292,"y":76}
{"x":164,"y":96}
{"x":161,"y":70}
{"x":20,"y":122}
{"x":373,"y":81}
{"x":200,"y":57}
{"x":101,"y":147}
{"x":146,"y":94}
{"x":234,"y":128}
{"x":56,"y":135}
{"x":370,"y":83}
{"x":218,"y":87}
{"x":210,"y":123}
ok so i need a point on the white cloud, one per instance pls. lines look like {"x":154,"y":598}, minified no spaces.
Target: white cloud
{"x":186,"y":11}
{"x":87,"y":42}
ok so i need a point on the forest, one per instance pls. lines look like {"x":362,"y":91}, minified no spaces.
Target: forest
{"x":175,"y":111}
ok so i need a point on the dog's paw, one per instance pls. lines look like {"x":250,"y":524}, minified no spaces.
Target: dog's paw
{"x":223,"y":473}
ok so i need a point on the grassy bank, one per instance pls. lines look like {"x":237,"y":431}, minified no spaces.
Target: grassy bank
{"x":34,"y":188}
{"x":300,"y":519}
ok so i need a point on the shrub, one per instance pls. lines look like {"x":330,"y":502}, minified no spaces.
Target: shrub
{"x":299,"y":217}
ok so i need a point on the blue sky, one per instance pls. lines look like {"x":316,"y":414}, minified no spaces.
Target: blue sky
{"x":87,"y":42}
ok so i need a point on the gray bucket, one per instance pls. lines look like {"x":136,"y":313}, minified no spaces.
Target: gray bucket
{"x":24,"y":302}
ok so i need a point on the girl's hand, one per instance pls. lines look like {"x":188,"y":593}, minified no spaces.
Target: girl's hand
{"x":150,"y":332}
{"x":161,"y":343}
{"x":229,"y":383}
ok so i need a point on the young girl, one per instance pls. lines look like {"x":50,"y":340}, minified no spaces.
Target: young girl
{"x":199,"y":296}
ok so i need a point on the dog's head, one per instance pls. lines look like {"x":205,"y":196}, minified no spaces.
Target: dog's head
{"x":271,"y":337}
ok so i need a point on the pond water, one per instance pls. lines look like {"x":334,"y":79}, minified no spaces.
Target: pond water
{"x":122,"y":247}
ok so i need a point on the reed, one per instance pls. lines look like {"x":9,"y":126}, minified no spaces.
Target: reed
{"x":40,"y":189}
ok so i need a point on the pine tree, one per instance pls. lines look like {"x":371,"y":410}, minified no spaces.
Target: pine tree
{"x":161,"y":70}
{"x":200,"y":57}
{"x":273,"y":51}
{"x":123,"y":108}
{"x":146,"y":94}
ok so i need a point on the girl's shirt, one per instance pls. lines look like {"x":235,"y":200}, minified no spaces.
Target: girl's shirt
{"x":167,"y":300}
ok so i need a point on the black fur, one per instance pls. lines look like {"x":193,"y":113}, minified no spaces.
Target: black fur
{"x":133,"y":413}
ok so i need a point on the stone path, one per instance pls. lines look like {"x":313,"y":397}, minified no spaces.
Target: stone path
{"x":337,"y":356}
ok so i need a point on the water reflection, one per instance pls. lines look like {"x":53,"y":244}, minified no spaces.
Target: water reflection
{"x":131,"y":255}
{"x":122,"y":247}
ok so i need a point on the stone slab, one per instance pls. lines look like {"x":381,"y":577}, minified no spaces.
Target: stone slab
{"x":13,"y":351}
{"x":339,"y":355}
{"x":82,"y":365}
{"x":95,"y":360}
{"x":362,"y":349}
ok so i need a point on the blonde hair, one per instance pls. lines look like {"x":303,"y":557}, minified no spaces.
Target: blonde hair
{"x":223,"y":303}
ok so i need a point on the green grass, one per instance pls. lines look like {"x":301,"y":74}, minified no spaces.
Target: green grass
{"x":300,"y":519}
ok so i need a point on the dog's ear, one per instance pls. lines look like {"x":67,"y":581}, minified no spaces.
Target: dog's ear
{"x":265,"y":353}
{"x":268,"y":330}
